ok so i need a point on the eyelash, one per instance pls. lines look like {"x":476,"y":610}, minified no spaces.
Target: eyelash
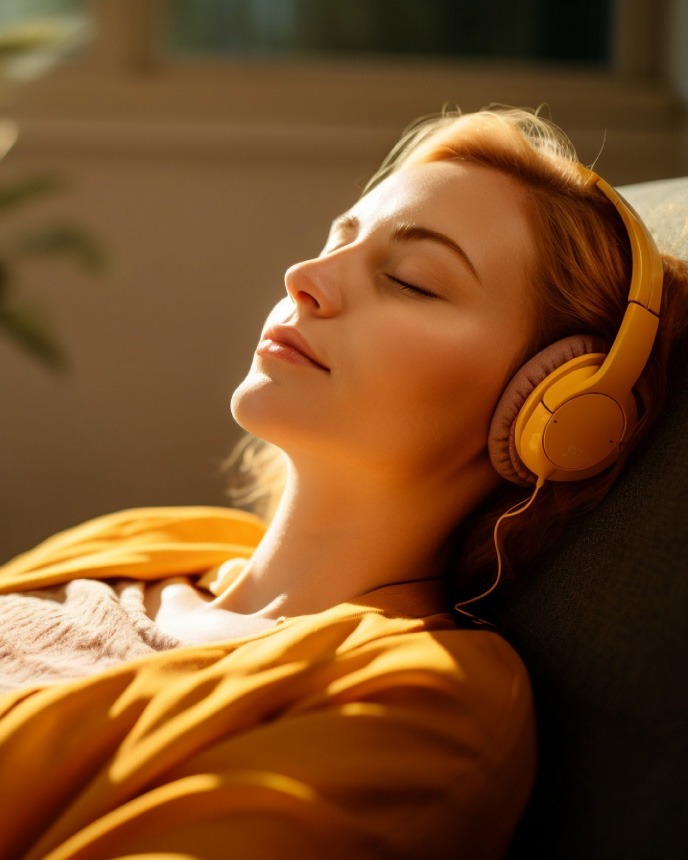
{"x":403,"y":285}
{"x":410,"y":288}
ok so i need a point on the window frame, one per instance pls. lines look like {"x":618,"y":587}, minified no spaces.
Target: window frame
{"x":133,"y":37}
{"x":123,"y":94}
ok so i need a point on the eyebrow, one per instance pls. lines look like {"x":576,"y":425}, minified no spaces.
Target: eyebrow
{"x":408,"y":232}
{"x":345,"y":224}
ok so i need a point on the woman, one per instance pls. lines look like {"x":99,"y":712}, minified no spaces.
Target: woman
{"x":327,"y":702}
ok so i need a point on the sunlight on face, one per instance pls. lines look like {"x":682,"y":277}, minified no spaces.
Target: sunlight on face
{"x":392,"y":347}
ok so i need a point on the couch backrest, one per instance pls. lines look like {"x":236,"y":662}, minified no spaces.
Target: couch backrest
{"x":603,"y":627}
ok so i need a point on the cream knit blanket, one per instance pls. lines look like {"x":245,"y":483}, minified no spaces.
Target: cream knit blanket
{"x":73,"y":630}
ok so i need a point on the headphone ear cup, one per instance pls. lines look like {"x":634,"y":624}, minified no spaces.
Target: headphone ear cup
{"x":501,"y":443}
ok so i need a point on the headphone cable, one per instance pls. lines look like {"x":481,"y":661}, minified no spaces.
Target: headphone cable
{"x":513,"y":511}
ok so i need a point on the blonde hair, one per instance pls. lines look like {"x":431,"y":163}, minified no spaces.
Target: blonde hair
{"x":580,"y":278}
{"x":257,"y":473}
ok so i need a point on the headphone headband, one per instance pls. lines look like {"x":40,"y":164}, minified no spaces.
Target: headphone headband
{"x":568,"y":412}
{"x":632,"y":345}
{"x":646,"y":279}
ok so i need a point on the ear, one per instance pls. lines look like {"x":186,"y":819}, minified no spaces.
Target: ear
{"x":501,"y":445}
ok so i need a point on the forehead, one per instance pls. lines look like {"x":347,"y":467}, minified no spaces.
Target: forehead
{"x":439,"y":188}
{"x":412,"y":186}
{"x":480,"y":208}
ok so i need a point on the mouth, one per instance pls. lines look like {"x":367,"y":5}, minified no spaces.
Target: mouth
{"x":284,"y":342}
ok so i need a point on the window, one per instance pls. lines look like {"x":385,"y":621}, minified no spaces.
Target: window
{"x":328,"y":76}
{"x":577,"y":31}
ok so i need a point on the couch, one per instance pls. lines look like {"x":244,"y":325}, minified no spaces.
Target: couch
{"x":602,"y":624}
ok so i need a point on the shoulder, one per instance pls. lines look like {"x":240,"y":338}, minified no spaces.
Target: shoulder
{"x":438,"y":710}
{"x":474,"y":672}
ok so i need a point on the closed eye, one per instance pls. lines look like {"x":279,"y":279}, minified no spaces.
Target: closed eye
{"x":411,"y":288}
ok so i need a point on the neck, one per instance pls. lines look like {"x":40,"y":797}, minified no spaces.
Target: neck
{"x":335,"y":538}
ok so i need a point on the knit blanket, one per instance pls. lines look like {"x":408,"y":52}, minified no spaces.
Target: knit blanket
{"x":74,"y":630}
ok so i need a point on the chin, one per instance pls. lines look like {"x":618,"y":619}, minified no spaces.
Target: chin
{"x":256,"y":406}
{"x":241,"y":404}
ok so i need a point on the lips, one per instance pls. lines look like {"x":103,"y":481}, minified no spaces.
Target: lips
{"x":282,"y":341}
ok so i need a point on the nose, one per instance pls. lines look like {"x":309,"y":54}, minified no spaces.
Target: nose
{"x":314,"y":285}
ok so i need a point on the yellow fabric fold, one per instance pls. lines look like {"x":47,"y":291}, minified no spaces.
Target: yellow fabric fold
{"x":354,"y":732}
{"x":141,"y":543}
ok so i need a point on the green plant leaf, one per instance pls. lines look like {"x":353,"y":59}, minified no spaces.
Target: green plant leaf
{"x":65,"y":240}
{"x":29,"y":329}
{"x":14,"y":194}
{"x":32,"y":45}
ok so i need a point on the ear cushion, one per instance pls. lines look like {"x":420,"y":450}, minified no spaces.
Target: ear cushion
{"x":500,"y":443}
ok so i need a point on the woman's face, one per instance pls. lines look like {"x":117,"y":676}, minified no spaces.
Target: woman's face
{"x":392,"y":347}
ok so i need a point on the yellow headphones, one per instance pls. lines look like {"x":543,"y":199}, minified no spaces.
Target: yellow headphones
{"x":567,"y":412}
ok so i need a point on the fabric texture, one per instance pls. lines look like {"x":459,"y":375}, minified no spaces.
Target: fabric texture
{"x":72,"y":630}
{"x":375,"y":729}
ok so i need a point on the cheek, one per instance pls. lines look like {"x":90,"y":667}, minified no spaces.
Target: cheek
{"x":441,"y":369}
{"x":437,"y":390}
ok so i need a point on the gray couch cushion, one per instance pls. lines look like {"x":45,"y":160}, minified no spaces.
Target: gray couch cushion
{"x":603,"y":627}
{"x":663,"y":205}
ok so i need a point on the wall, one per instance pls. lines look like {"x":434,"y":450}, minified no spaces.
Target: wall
{"x":203,"y":193}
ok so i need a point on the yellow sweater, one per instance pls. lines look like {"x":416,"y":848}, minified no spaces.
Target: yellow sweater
{"x":374,"y":729}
